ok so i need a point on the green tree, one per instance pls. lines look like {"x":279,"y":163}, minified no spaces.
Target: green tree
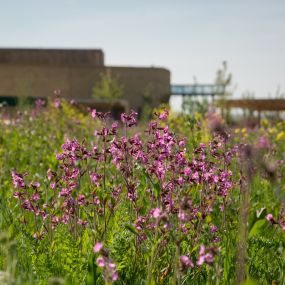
{"x":147,"y":109}
{"x":224,"y":79}
{"x":108,"y":87}
{"x":192,"y":105}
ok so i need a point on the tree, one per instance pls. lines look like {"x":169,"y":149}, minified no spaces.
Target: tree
{"x":108,"y":88}
{"x":192,"y":105}
{"x":224,"y":79}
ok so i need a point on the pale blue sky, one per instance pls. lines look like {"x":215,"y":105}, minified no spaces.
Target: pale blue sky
{"x":191,"y":38}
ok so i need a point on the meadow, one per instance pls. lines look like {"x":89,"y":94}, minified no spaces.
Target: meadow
{"x":179,"y":199}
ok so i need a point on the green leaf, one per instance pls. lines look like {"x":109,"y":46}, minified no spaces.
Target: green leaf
{"x":92,"y":275}
{"x":156,"y":189}
{"x":257,"y":228}
{"x":132,"y":229}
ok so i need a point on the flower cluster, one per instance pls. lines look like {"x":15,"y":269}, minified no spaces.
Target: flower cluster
{"x":170,"y":191}
{"x":106,"y":262}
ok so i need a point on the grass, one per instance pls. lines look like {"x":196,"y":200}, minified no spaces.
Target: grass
{"x":184,"y":200}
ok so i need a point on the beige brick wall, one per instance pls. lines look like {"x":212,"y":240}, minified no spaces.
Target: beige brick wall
{"x":137,"y":81}
{"x":76,"y":72}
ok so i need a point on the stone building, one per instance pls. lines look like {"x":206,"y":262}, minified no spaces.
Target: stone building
{"x":37,"y":72}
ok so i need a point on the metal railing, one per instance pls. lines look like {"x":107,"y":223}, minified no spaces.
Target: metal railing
{"x":197,"y":89}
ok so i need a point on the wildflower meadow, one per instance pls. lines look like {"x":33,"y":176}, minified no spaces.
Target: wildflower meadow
{"x":178,"y":199}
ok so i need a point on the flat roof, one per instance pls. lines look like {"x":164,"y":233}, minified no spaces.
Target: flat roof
{"x":51,"y":56}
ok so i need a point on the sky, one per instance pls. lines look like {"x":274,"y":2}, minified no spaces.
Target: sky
{"x":190,"y":38}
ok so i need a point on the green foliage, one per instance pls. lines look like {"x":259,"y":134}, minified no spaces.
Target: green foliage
{"x":193,"y":105}
{"x":257,"y":228}
{"x":30,"y":143}
{"x":108,"y":88}
{"x":224,"y":79}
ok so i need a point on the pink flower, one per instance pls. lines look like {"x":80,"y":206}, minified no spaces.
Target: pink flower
{"x":209,"y":258}
{"x":18,"y":180}
{"x":100,"y":261}
{"x":180,"y":180}
{"x":94,"y":114}
{"x":17,"y":195}
{"x":81,"y":200}
{"x":114,"y":128}
{"x":201,"y":260}
{"x":115,"y":276}
{"x":263,"y":142}
{"x":97,"y":247}
{"x":65,"y":192}
{"x":182,"y":216}
{"x":164,"y":115}
{"x":195,"y":176}
{"x":50,"y":174}
{"x":35,"y":184}
{"x":269,"y":217}
{"x":57,"y":103}
{"x":204,"y":257}
{"x":82,"y":222}
{"x":214,"y":229}
{"x":40,"y":103}
{"x":111,"y":265}
{"x":187,"y":171}
{"x":202,"y":145}
{"x":95,"y":178}
{"x":60,"y":156}
{"x":202,"y":249}
{"x":156,"y":212}
{"x":129,"y":120}
{"x":181,"y":143}
{"x":35,"y":197}
{"x":186,"y":261}
{"x":53,"y":185}
{"x":216,"y":239}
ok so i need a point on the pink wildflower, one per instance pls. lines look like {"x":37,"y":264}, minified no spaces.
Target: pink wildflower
{"x":164,"y":115}
{"x":100,"y":261}
{"x":269,"y":217}
{"x":186,"y":261}
{"x":156,"y":212}
{"x":94,"y":114}
{"x":97,"y":247}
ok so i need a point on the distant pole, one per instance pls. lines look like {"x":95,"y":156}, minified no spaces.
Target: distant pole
{"x":183,"y":103}
{"x":259,"y":117}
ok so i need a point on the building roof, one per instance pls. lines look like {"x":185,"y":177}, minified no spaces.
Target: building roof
{"x":22,"y":56}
